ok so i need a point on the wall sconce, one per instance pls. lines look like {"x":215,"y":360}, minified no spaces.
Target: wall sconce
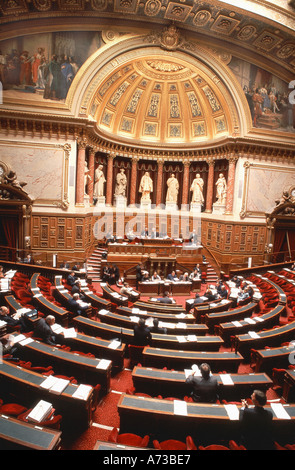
{"x":268,"y":248}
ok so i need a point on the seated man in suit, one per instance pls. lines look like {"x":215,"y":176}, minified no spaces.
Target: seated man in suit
{"x":256,"y":423}
{"x":165,"y":299}
{"x":156,"y":329}
{"x":198,"y":300}
{"x":205,"y":387}
{"x":209,"y":295}
{"x":184,"y":277}
{"x":155,"y":277}
{"x":44,"y":331}
{"x":76,"y":289}
{"x":172,"y":276}
{"x":21,"y":321}
{"x":223,"y":292}
{"x":142,"y":334}
{"x":77,"y":306}
{"x":71,"y":279}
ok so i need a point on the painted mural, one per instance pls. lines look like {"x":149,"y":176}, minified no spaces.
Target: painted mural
{"x":267,"y":96}
{"x":45,"y":64}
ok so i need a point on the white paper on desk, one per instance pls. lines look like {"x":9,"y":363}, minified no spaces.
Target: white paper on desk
{"x":226,"y":379}
{"x":135,"y":310}
{"x":237,"y":323}
{"x":26,"y":341}
{"x":57,"y":328}
{"x":253,"y":334}
{"x":249,"y":320}
{"x":258,"y":319}
{"x":48,"y":382}
{"x":18,"y":338}
{"x":114,"y":344}
{"x":180,"y":407}
{"x":181,"y":325}
{"x":232,"y":412}
{"x":103,"y":311}
{"x":280,"y":411}
{"x":134,"y":319}
{"x":181,"y":339}
{"x":192,"y":338}
{"x":180,"y":315}
{"x":2,"y":323}
{"x":59,"y":386}
{"x":103,"y":364}
{"x":40,"y":411}
{"x":70,"y":333}
{"x":82,"y":392}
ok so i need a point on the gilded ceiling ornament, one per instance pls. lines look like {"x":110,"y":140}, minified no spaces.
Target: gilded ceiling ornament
{"x":170,"y":38}
{"x":202,"y":18}
{"x":42,"y":5}
{"x":152,"y":7}
{"x":99,"y":5}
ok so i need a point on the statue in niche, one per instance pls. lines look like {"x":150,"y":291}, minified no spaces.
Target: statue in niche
{"x":121,"y":183}
{"x":99,"y":182}
{"x":221,"y":190}
{"x":146,"y":187}
{"x":87,"y":178}
{"x":197,"y":190}
{"x":173,"y":188}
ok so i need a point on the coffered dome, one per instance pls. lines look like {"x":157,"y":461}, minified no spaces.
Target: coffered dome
{"x":163,"y":100}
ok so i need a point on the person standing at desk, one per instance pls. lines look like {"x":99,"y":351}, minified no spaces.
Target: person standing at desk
{"x":256,"y":423}
{"x":142,"y":335}
{"x":205,"y":387}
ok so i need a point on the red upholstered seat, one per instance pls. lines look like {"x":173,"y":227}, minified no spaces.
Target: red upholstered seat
{"x":53,"y":423}
{"x":12,"y":409}
{"x":173,"y":444}
{"x":213,"y":447}
{"x":234,"y":446}
{"x":128,"y":439}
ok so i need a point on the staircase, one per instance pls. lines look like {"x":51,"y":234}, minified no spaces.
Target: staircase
{"x":211,"y":275}
{"x":94,"y":264}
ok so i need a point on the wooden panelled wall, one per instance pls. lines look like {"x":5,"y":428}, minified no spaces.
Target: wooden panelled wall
{"x":229,"y":242}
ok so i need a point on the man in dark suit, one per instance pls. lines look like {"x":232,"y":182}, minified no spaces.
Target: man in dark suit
{"x":256,"y":423}
{"x":76,"y":307}
{"x":76,"y":289}
{"x":21,"y":322}
{"x":142,"y":334}
{"x":71,"y":279}
{"x":172,"y":276}
{"x":44,"y":331}
{"x":156,"y":329}
{"x":198,"y":300}
{"x":205,"y":387}
{"x":165,"y":299}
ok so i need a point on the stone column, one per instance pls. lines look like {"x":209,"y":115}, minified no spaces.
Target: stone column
{"x":185,"y":183}
{"x":159,"y":182}
{"x":80,"y":173}
{"x":91,"y":173}
{"x":133,"y":180}
{"x":109,"y":182}
{"x":210,"y":186}
{"x":230,"y":184}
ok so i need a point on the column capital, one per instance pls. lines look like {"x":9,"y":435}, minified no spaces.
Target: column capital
{"x":82,"y":144}
{"x":232,"y":158}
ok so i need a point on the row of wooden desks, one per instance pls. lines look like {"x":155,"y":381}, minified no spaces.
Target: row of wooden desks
{"x":236,"y":327}
{"x":18,"y":435}
{"x":180,"y":359}
{"x":188,"y":318}
{"x":260,"y":339}
{"x":85,"y":369}
{"x":26,"y":385}
{"x":157,"y":288}
{"x":206,"y":423}
{"x":187,"y":342}
{"x":167,"y":383}
{"x":124,"y":321}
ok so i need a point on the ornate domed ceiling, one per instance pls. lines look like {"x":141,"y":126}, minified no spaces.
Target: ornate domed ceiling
{"x":162,"y":100}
